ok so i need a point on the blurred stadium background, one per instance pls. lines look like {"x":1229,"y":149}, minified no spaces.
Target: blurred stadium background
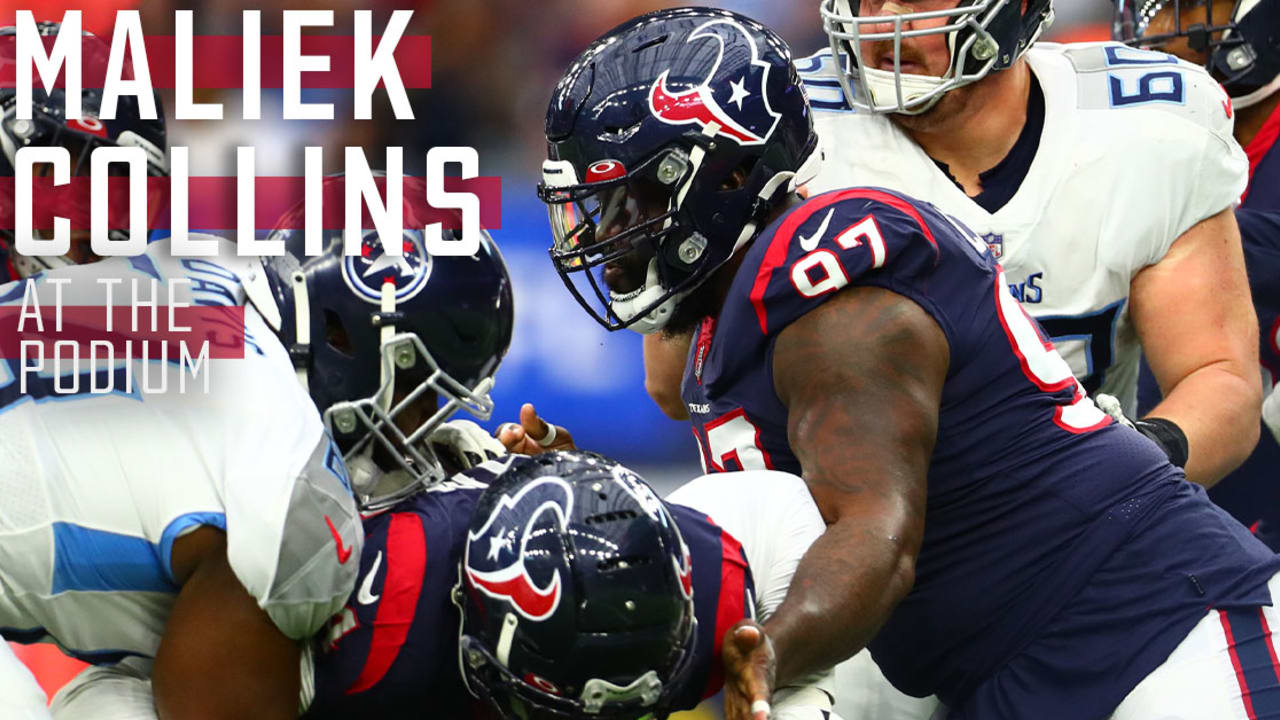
{"x":494,"y":63}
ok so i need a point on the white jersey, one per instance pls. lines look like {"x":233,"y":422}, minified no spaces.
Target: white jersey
{"x":97,"y":487}
{"x":1136,"y":149}
{"x":774,"y":517}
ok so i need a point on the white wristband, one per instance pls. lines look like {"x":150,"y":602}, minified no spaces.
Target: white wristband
{"x":551,"y":435}
{"x":760,"y":706}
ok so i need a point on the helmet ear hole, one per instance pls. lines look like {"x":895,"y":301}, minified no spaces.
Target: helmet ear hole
{"x":335,"y":334}
{"x":738,"y":178}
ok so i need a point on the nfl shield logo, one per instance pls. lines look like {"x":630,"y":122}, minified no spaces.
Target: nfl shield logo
{"x":995,"y":243}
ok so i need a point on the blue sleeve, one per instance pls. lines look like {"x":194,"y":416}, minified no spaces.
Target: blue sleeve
{"x":723,"y":594}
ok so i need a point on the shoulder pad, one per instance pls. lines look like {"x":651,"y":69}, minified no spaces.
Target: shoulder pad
{"x":1118,"y":77}
{"x":832,"y":239}
{"x":307,"y":575}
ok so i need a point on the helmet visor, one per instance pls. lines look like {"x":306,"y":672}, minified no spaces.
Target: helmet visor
{"x":604,"y":235}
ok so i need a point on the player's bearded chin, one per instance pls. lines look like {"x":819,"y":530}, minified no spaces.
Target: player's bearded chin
{"x":627,"y":273}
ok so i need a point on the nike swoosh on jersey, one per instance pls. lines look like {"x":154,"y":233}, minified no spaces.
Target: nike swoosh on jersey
{"x":344,"y":552}
{"x":811,"y":242}
{"x":366,"y":596}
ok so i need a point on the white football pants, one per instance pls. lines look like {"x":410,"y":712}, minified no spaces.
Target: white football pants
{"x":863,"y":693}
{"x":1225,"y":669}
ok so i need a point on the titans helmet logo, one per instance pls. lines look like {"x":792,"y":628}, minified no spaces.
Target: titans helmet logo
{"x":367,"y":272}
{"x":495,"y":553}
{"x":698,"y":105}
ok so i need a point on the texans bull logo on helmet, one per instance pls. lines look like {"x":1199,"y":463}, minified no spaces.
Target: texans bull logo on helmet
{"x":367,"y":272}
{"x":743,"y":123}
{"x":495,"y":553}
{"x":653,"y":507}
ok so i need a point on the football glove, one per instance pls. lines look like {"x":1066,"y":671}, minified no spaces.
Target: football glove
{"x":1161,"y":431}
{"x":465,"y":443}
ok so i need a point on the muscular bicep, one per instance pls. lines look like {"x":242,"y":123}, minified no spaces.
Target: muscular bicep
{"x":221,"y":656}
{"x":862,"y":377}
{"x":1199,"y":331}
{"x":1192,"y":309}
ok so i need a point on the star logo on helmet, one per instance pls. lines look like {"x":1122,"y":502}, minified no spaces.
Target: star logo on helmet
{"x":498,"y":543}
{"x":698,"y":105}
{"x":367,"y":272}
{"x":511,"y":581}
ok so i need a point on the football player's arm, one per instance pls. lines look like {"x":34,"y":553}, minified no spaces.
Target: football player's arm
{"x":774,"y":517}
{"x":1197,"y":325}
{"x":221,"y":656}
{"x":664,"y":360}
{"x":862,"y":379}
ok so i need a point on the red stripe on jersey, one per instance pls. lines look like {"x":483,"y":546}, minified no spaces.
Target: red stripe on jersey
{"x":1023,"y":362}
{"x":1261,"y":144}
{"x":777,"y":251}
{"x":732,"y":606}
{"x":1271,"y":646}
{"x":1235,"y":663}
{"x":406,"y":560}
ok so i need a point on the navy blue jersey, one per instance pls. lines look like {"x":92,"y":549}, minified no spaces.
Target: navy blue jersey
{"x":1263,"y":192}
{"x":1034,"y":495}
{"x":1260,"y":236}
{"x":1251,"y":492}
{"x":393,"y":650}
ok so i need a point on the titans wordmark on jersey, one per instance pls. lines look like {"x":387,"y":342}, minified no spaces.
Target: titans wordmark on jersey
{"x":1136,"y":149}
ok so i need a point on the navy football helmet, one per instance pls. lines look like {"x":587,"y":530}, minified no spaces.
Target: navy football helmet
{"x":984,"y":36}
{"x":1238,"y":41}
{"x":576,"y":593}
{"x":388,"y":347}
{"x":669,"y":140}
{"x":49,"y":127}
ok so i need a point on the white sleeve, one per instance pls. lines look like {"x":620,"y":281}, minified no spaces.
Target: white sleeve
{"x":772,"y":514}
{"x":108,"y":692}
{"x":1203,"y":174}
{"x":1224,"y":168}
{"x":291,"y":552}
